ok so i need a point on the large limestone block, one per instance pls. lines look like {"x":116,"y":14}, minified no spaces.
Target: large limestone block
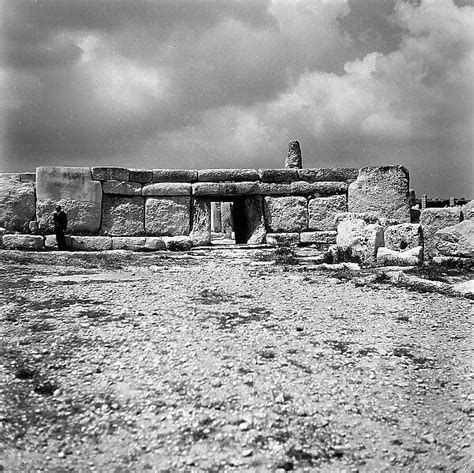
{"x":73,"y":189}
{"x":128,"y":243}
{"x":283,"y":239}
{"x":140,"y":175}
{"x":363,"y":239}
{"x":388,"y":257}
{"x":23,"y":242}
{"x":110,"y":173}
{"x":272,"y":188}
{"x":457,"y":240}
{"x":468,"y":211}
{"x":255,"y":231}
{"x":318,"y":188}
{"x":226,"y":188}
{"x":121,"y":188}
{"x":434,"y":219}
{"x":154,"y":244}
{"x":167,"y":215}
{"x":278,"y":175}
{"x":322,"y":211}
{"x":123,"y":216}
{"x":318,"y":238}
{"x":178,"y":243}
{"x":403,"y":236}
{"x":286,"y":214}
{"x":201,"y":222}
{"x":91,"y":243}
{"x":17,"y":203}
{"x":174,"y":175}
{"x":328,"y":174}
{"x":382,"y":190}
{"x":232,"y":175}
{"x":166,"y":188}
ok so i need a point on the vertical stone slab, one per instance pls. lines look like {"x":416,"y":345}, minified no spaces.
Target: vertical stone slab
{"x":226,"y":218}
{"x":168,"y":216}
{"x":253,"y":209}
{"x":383,"y":191}
{"x":123,"y":216}
{"x":216,"y":217}
{"x":201,"y":221}
{"x":17,"y":203}
{"x":76,"y":192}
{"x":286,"y":214}
{"x":322,"y":211}
{"x":294,"y":159}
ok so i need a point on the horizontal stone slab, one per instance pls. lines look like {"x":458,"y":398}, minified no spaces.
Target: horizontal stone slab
{"x":232,"y":175}
{"x":23,"y":242}
{"x":140,"y":175}
{"x":278,"y":175}
{"x":91,"y":243}
{"x":283,"y":239}
{"x":28,"y":177}
{"x":178,"y":243}
{"x":328,"y":174}
{"x":51,"y":243}
{"x":121,"y":188}
{"x":111,"y":173}
{"x":271,"y":188}
{"x":318,"y":188}
{"x":174,"y":175}
{"x":166,"y":188}
{"x":16,"y":176}
{"x":328,"y":237}
{"x":128,"y":243}
{"x":154,"y":244}
{"x":226,"y":188}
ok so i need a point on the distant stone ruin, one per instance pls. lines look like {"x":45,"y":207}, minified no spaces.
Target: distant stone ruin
{"x":367,"y":210}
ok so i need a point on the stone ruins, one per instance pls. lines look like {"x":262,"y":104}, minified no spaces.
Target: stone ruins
{"x":365,"y":212}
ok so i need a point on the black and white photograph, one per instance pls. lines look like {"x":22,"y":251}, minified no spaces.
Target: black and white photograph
{"x":236,"y":236}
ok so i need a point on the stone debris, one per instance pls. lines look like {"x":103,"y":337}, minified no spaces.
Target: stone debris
{"x":457,"y":240}
{"x":403,"y":236}
{"x":409,"y":257}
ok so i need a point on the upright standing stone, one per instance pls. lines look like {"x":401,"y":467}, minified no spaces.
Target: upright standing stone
{"x":167,"y":216}
{"x":201,"y":221}
{"x":286,"y":214}
{"x":226,"y":218}
{"x":123,"y":216}
{"x":216,"y":217}
{"x":294,"y":159}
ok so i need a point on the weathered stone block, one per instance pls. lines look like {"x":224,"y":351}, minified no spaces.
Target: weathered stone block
{"x":255,"y":231}
{"x":17,"y":203}
{"x":318,"y":188}
{"x":226,"y":188}
{"x":16,"y":176}
{"x":91,"y":243}
{"x":174,"y":175}
{"x":271,"y":188}
{"x":111,"y":173}
{"x":28,"y":177}
{"x":50,"y":242}
{"x":154,"y":244}
{"x":128,"y":243}
{"x":457,"y":240}
{"x":123,"y":216}
{"x":363,"y":239}
{"x":283,"y":239}
{"x":73,"y":189}
{"x":121,"y":188}
{"x":368,"y":217}
{"x":286,"y":214}
{"x":318,"y":238}
{"x":403,"y":236}
{"x":278,"y":175}
{"x":388,"y":257}
{"x":434,"y":219}
{"x":322,"y":211}
{"x":167,"y":215}
{"x":140,"y":175}
{"x":23,"y":242}
{"x":231,"y":175}
{"x":201,"y":222}
{"x":468,"y":211}
{"x":294,"y":160}
{"x":166,"y":188}
{"x":382,"y":190}
{"x":328,"y":174}
{"x":178,"y":243}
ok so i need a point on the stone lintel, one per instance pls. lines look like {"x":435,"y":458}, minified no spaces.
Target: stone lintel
{"x":166,"y":188}
{"x":140,"y":175}
{"x":174,"y":175}
{"x":229,"y":175}
{"x":318,"y":188}
{"x":328,"y":174}
{"x":226,"y":188}
{"x":278,"y":175}
{"x":121,"y":188}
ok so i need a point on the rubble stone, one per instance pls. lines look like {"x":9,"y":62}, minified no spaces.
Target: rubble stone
{"x":468,"y":210}
{"x":322,"y":211}
{"x":388,"y":257}
{"x":283,"y":239}
{"x":17,"y":203}
{"x":91,"y":243}
{"x":457,"y":240}
{"x":121,"y":188}
{"x":403,"y":236}
{"x":167,"y":215}
{"x":178,"y":243}
{"x":382,"y":190}
{"x":123,"y":216}
{"x":22,"y":242}
{"x":286,"y":214}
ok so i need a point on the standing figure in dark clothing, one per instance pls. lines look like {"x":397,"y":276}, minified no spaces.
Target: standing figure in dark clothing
{"x":60,"y":225}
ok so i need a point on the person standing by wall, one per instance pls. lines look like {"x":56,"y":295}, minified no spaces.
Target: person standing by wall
{"x":60,"y":225}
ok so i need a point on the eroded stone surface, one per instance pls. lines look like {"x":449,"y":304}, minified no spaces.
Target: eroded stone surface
{"x":123,"y":216}
{"x":272,"y":188}
{"x":167,"y":215}
{"x":22,"y":242}
{"x":283,"y":239}
{"x":174,"y":175}
{"x":457,"y":240}
{"x":91,"y":243}
{"x":178,"y":243}
{"x":226,"y":188}
{"x":318,"y":188}
{"x":286,"y":214}
{"x":318,"y":238}
{"x":294,"y":159}
{"x":403,"y":236}
{"x":122,"y":188}
{"x":110,"y":173}
{"x":166,"y":188}
{"x":201,"y":218}
{"x":154,"y":244}
{"x":255,"y":231}
{"x":328,"y":174}
{"x":28,"y":177}
{"x":140,"y":175}
{"x":468,"y":211}
{"x":128,"y":243}
{"x":17,"y":203}
{"x":388,"y":257}
{"x":383,"y":191}
{"x":278,"y":175}
{"x":231,"y":175}
{"x":322,"y":211}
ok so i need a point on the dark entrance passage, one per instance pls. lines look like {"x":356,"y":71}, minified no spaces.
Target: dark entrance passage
{"x":240,"y":221}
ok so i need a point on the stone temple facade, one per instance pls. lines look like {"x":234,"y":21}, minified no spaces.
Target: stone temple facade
{"x":368,"y":210}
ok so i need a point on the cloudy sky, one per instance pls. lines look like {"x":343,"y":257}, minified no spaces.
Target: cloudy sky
{"x":223,"y":83}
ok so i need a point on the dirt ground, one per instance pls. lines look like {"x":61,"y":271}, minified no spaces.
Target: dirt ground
{"x":227,"y":360}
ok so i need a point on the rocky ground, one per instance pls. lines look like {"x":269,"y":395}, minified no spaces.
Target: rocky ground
{"x":230,"y":360}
